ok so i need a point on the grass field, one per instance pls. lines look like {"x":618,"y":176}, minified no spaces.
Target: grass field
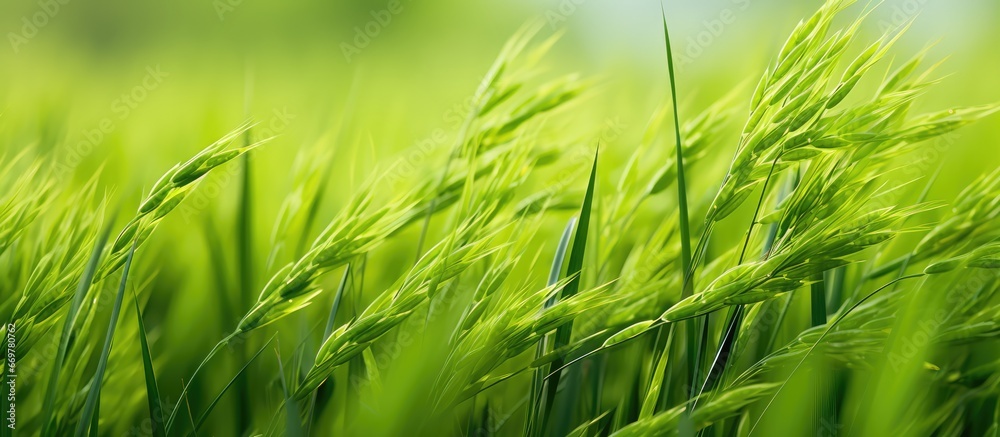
{"x":568,"y":218}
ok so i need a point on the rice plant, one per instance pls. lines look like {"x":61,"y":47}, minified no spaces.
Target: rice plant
{"x":522,"y":274}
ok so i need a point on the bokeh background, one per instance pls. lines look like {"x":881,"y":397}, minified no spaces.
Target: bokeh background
{"x":165,"y":79}
{"x":226,"y":60}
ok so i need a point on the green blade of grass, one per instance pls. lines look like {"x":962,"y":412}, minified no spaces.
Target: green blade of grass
{"x":682,"y":203}
{"x":573,"y":271}
{"x":541,"y":350}
{"x":656,"y":383}
{"x":85,"y":282}
{"x":693,"y":328}
{"x":726,"y":345}
{"x":96,"y":421}
{"x":211,"y":406}
{"x":328,"y":385}
{"x":336,"y":302}
{"x":152,"y":390}
{"x":94,"y":397}
{"x":293,"y":427}
{"x":187,"y":385}
{"x":245,"y":247}
{"x":560,"y":257}
{"x":538,"y":377}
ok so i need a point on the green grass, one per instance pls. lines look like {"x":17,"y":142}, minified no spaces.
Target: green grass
{"x":822,"y":292}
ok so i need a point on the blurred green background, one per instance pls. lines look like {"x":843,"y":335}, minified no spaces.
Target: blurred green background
{"x":70,"y":68}
{"x":63,"y":73}
{"x":66,"y":70}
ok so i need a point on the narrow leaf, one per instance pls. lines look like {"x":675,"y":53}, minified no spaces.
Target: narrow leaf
{"x":94,"y":397}
{"x":152,"y":390}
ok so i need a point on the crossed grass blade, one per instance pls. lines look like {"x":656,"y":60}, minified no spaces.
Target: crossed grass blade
{"x":573,"y":271}
{"x":89,"y":415}
{"x":86,"y":280}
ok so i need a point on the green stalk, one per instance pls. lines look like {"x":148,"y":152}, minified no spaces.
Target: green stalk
{"x":327,"y":387}
{"x":245,"y":247}
{"x":682,"y":203}
{"x":89,"y":415}
{"x":293,"y":427}
{"x":537,"y":378}
{"x":734,"y":319}
{"x":211,"y":406}
{"x":187,"y":385}
{"x":693,"y":328}
{"x":152,"y":389}
{"x":573,"y":270}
